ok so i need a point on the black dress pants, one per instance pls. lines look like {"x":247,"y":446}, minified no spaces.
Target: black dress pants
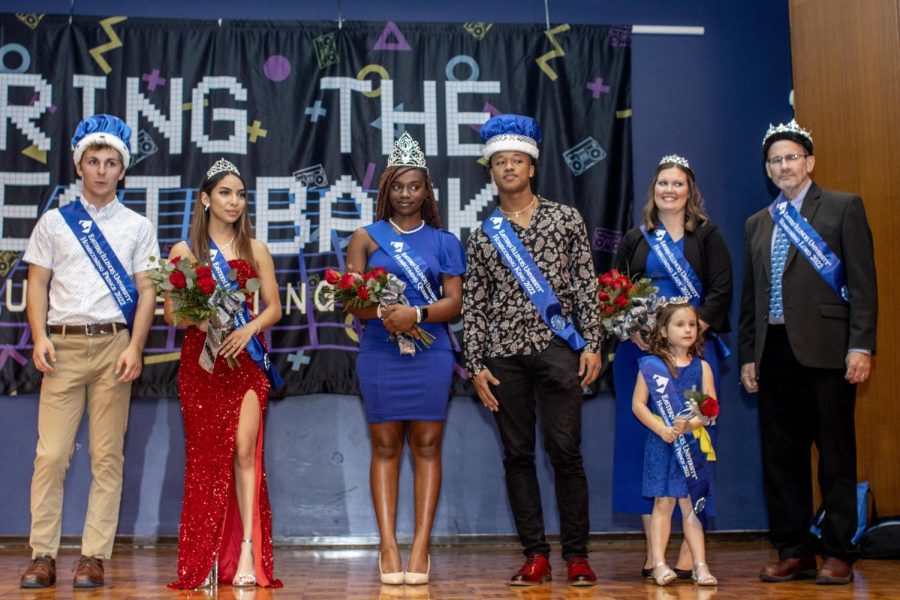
{"x":800,"y":406}
{"x":543,"y":386}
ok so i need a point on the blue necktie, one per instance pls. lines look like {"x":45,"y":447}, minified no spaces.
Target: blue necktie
{"x":779,"y":256}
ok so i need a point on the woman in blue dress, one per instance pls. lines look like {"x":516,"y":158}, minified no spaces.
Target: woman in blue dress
{"x":674,"y":203}
{"x":406,"y":396}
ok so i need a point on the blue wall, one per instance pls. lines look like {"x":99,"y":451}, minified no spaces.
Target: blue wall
{"x":709,"y":98}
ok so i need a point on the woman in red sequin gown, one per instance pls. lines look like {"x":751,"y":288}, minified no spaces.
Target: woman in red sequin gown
{"x":226,"y":514}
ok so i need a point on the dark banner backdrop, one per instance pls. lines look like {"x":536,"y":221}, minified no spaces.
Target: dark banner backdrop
{"x":308,"y":112}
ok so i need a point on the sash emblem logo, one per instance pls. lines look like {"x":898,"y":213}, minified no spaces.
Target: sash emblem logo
{"x":496,"y":222}
{"x":660,"y":234}
{"x":661,"y":383}
{"x":397,"y":246}
{"x":85,"y":226}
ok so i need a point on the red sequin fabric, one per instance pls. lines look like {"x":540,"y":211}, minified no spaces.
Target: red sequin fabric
{"x":210,"y":519}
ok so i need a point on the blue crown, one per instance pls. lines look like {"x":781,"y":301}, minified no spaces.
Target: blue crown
{"x":104,"y":129}
{"x":511,"y":132}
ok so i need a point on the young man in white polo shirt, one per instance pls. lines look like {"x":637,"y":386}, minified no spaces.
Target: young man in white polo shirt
{"x":90,"y":303}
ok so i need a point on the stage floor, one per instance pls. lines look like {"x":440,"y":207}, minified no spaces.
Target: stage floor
{"x":459,"y":572}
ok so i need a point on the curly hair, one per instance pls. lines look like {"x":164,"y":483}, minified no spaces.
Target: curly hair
{"x":658,"y":343}
{"x":694,"y":214}
{"x":383,"y":208}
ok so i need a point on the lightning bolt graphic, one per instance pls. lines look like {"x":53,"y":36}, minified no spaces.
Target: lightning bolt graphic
{"x":113,"y":43}
{"x":557,"y":51}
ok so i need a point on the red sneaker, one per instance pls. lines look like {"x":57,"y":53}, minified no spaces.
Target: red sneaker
{"x":580,"y":572}
{"x":536,"y":570}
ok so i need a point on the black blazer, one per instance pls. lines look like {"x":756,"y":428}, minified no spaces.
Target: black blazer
{"x":707,"y":253}
{"x":821,"y":328}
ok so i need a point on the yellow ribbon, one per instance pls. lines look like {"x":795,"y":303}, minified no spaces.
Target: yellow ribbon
{"x":702,"y":434}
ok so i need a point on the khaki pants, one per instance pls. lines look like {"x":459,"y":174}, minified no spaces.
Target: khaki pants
{"x":83,"y":374}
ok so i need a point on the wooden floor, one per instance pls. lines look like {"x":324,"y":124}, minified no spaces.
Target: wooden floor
{"x":458,"y":572}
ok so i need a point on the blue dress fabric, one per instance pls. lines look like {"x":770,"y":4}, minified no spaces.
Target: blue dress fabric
{"x":628,"y":453}
{"x":662,"y":474}
{"x":399,"y":387}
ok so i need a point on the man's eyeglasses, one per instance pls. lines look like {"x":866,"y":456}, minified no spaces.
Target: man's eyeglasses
{"x":787,"y":158}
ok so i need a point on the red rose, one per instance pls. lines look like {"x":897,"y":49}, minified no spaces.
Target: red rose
{"x":617,"y":284}
{"x":605,"y":279}
{"x":363,"y":292}
{"x":628,"y":285}
{"x":178,"y":279}
{"x":710,"y":407}
{"x":206,"y":284}
{"x":346,"y":282}
{"x":379,"y":271}
{"x":609,"y":310}
{"x":203,"y":272}
{"x":604,"y":297}
{"x":175,"y":260}
{"x":614,"y":273}
{"x":621,"y":300}
{"x":332,"y":276}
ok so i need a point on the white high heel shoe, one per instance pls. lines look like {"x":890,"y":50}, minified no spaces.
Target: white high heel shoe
{"x":413,"y":578}
{"x":396,"y":578}
{"x":244,"y":579}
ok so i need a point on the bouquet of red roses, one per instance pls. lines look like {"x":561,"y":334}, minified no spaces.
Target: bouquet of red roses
{"x":198,"y":297}
{"x":627,"y":304}
{"x":373,"y":288}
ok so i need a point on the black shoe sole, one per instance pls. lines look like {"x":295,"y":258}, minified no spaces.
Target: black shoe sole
{"x":35,"y":585}
{"x":86,"y":585}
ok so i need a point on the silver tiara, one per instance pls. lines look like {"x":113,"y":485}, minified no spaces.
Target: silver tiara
{"x":406,"y":153}
{"x":220,"y":166}
{"x":674,"y":300}
{"x":791,"y":127}
{"x":674,"y":159}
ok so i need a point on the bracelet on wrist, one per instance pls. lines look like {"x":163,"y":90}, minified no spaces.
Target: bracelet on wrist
{"x":378,"y":312}
{"x":418,"y":314}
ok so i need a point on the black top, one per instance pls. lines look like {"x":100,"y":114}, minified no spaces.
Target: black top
{"x":707,"y":253}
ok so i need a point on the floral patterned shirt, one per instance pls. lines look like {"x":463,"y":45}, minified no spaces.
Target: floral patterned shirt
{"x":499,"y":319}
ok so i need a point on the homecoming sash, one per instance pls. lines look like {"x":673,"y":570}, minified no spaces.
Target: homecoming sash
{"x":414,"y":268}
{"x":529,"y":276}
{"x":811,"y":245}
{"x":255,"y":348}
{"x":687,"y":451}
{"x":681,"y":273}
{"x":90,"y":238}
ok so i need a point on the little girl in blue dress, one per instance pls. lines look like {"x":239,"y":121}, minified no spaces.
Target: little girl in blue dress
{"x":674,"y":367}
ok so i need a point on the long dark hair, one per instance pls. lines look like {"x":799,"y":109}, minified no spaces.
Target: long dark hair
{"x":383,"y":208}
{"x":694,"y":214}
{"x":199,"y":234}
{"x":659,"y":345}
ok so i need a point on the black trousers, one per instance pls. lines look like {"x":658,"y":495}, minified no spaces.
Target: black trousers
{"x":799,"y":406}
{"x":544,"y":386}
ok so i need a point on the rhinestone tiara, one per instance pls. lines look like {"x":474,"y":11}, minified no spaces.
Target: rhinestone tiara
{"x":675,"y":160}
{"x":220,"y":166}
{"x":791,"y":127}
{"x":406,"y":153}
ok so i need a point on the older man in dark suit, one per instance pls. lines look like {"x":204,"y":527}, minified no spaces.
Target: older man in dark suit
{"x":807,"y":333}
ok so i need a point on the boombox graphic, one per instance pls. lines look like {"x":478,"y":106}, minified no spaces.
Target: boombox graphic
{"x":584,"y":155}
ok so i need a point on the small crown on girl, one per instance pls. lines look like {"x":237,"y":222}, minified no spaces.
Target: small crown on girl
{"x":220,"y":166}
{"x":674,"y":159}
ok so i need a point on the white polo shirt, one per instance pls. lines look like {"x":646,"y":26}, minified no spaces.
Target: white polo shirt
{"x":78,"y":295}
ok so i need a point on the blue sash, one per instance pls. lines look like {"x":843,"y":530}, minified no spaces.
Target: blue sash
{"x":811,"y":246}
{"x":686,"y":448}
{"x":90,"y":238}
{"x":255,"y":349}
{"x":414,"y":268}
{"x":529,"y":276}
{"x":681,"y":273}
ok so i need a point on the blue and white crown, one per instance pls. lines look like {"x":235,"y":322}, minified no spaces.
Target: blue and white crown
{"x":407,"y":153}
{"x":221,"y":166}
{"x":674,"y":159}
{"x":102,"y":129}
{"x":514,"y":133}
{"x":787,"y":129}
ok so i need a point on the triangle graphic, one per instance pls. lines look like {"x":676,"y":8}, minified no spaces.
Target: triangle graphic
{"x":400,"y":42}
{"x":35,"y":153}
